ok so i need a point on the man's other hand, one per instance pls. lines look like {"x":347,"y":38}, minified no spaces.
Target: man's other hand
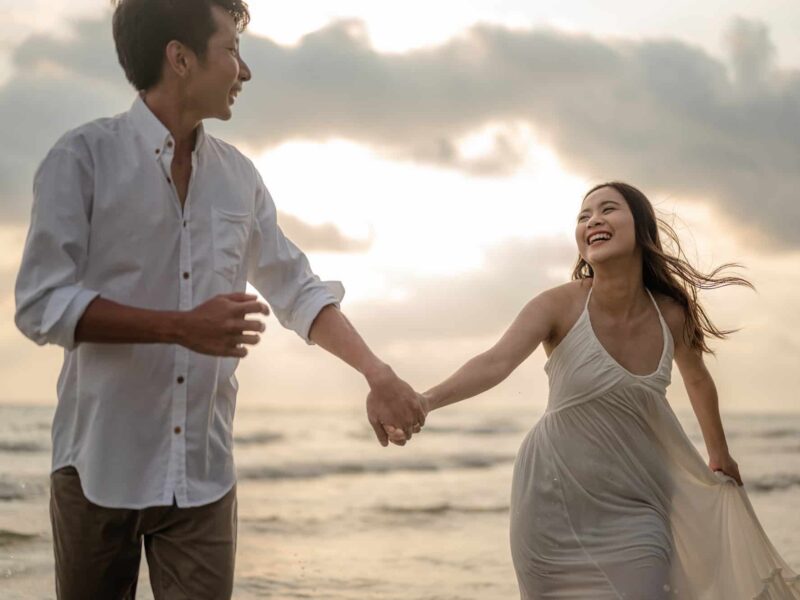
{"x":220,"y":326}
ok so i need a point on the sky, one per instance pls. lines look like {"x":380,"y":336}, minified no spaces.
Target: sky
{"x":432,"y":156}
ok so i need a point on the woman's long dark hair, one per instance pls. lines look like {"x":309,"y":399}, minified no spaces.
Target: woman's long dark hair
{"x":667,"y":273}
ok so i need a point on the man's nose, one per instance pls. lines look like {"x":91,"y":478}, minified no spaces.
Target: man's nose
{"x":244,"y":71}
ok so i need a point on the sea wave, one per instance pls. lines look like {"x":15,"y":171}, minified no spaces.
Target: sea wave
{"x":23,"y":446}
{"x":18,"y":490}
{"x":314,"y":470}
{"x":8,"y":537}
{"x":766,"y":434}
{"x":257,"y":438}
{"x":774,"y":482}
{"x":441,"y":508}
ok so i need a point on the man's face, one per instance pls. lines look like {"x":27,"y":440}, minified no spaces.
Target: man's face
{"x":219,"y":77}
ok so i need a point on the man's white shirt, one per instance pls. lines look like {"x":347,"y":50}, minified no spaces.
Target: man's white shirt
{"x":143,"y":423}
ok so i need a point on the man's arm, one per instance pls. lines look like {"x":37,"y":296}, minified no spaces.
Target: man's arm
{"x":310,"y":307}
{"x":391,"y":400}
{"x":281,"y":272}
{"x":50,"y":295}
{"x":218,"y":326}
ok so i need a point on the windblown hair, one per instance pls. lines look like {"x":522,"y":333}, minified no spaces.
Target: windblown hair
{"x":669,"y":273}
{"x":143,"y":28}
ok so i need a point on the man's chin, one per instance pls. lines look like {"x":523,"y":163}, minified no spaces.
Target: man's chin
{"x":223,"y":114}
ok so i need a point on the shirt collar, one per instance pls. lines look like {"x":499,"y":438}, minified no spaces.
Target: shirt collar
{"x":157,"y":137}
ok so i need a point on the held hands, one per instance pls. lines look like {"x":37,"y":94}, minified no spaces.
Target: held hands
{"x":219,"y":326}
{"x":391,"y":402}
{"x":725,"y":463}
{"x":396,"y":435}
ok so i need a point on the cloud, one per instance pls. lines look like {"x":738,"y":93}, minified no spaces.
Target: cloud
{"x":477,"y":303}
{"x":320,"y":238}
{"x":660,"y":113}
{"x":751,"y":51}
{"x":663,"y":114}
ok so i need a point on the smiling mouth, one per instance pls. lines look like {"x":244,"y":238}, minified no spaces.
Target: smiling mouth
{"x":599,"y":240}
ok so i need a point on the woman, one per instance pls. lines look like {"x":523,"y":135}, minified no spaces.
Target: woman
{"x":609,"y":498}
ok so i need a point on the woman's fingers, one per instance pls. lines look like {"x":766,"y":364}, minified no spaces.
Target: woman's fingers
{"x":396,"y":435}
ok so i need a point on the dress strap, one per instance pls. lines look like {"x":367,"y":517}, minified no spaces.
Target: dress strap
{"x":586,"y":306}
{"x":658,"y":310}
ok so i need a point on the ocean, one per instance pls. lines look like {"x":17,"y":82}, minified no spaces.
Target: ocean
{"x":325,"y":512}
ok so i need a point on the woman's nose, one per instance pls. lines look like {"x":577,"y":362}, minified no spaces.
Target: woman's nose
{"x":594,"y":221}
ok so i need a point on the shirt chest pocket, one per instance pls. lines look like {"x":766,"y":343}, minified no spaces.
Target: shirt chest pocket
{"x":230,"y":231}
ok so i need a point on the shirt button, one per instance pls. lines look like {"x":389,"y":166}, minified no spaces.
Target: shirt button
{"x":169,"y":180}
{"x":177,"y":430}
{"x":158,"y":150}
{"x":185,"y":275}
{"x":184,"y":223}
{"x":181,"y":379}
{"x":169,"y":144}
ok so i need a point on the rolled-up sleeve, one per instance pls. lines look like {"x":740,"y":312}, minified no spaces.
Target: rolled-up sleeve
{"x":281,"y":273}
{"x":50,"y":299}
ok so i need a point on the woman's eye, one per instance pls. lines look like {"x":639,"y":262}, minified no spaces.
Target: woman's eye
{"x":607,"y":208}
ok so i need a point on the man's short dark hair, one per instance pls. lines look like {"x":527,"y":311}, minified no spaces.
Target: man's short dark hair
{"x":143,"y":28}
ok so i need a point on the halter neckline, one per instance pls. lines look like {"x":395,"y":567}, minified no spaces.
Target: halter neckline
{"x":664,"y":333}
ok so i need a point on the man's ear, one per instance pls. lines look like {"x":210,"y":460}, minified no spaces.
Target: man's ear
{"x":180,"y":59}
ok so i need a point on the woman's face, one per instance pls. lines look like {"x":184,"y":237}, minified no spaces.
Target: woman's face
{"x":605,"y":227}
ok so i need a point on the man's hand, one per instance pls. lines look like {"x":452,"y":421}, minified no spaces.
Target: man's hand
{"x":392,"y":402}
{"x":219,"y":326}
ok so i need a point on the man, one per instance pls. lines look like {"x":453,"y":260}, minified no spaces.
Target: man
{"x":143,"y":235}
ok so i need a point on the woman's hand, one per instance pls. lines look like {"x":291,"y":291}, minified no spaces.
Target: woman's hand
{"x":396,"y":435}
{"x":725,"y":463}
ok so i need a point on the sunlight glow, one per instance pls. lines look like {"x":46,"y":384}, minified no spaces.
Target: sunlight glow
{"x":426,"y":221}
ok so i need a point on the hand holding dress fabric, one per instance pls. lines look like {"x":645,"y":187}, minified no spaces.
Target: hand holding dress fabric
{"x":726,"y":465}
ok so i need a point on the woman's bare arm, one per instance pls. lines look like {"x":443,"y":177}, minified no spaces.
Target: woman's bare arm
{"x":533,"y":325}
{"x":703,"y":395}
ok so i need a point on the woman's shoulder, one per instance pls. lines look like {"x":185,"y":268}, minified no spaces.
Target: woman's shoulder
{"x":568,"y":293}
{"x":563,"y":304}
{"x":672,"y":311}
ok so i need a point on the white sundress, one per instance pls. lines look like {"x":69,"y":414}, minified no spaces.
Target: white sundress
{"x":611,"y":500}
